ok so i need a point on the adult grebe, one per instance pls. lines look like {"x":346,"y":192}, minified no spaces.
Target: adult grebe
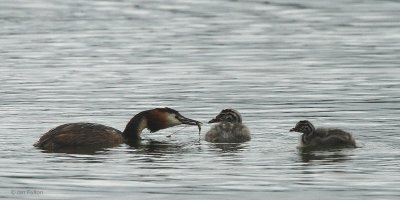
{"x":322,"y":137}
{"x":229,"y":129}
{"x":99,"y":136}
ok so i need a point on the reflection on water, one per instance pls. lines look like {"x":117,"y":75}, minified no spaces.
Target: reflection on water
{"x":154,"y":146}
{"x":228,"y":147}
{"x":277,"y":62}
{"x":77,"y":150}
{"x":140,"y":146}
{"x":310,"y":155}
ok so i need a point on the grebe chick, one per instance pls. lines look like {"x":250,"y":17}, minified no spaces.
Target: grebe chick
{"x":322,"y":137}
{"x":100,"y":136}
{"x":229,"y":128}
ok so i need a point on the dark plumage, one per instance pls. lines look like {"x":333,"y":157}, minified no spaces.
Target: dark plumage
{"x":322,"y":137}
{"x":229,"y":128}
{"x":80,"y":134}
{"x":99,"y":136}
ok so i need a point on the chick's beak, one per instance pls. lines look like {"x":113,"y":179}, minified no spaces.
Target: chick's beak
{"x":213,"y":120}
{"x":293,"y":130}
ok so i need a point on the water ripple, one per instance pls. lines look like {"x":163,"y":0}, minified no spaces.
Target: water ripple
{"x":277,"y":62}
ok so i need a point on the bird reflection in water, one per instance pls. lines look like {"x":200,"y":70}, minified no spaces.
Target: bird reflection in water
{"x":142,"y":146}
{"x":78,"y":150}
{"x":154,"y":146}
{"x":308,"y":155}
{"x":227,"y":147}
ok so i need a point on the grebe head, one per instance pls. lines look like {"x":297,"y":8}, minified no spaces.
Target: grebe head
{"x":161,"y":118}
{"x":303,"y":126}
{"x":228,"y":115}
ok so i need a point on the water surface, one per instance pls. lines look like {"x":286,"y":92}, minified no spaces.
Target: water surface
{"x":277,"y":62}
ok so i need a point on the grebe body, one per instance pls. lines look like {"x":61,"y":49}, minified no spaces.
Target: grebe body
{"x":98,"y":135}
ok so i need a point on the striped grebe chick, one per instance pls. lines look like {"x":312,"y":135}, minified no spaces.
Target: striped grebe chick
{"x":322,"y":137}
{"x":101,"y":136}
{"x":229,"y":128}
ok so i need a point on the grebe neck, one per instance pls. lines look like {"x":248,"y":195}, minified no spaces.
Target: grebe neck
{"x":135,"y":127}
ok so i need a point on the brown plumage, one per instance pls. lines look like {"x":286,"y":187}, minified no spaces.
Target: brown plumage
{"x":322,"y":137}
{"x":80,"y":134}
{"x":100,"y":136}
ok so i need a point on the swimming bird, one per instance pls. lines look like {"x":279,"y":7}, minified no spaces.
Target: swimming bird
{"x":322,"y":137}
{"x":100,"y":136}
{"x":229,"y":128}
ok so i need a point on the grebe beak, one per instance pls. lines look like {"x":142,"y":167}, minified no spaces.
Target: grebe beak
{"x":185,"y":120}
{"x":293,"y":130}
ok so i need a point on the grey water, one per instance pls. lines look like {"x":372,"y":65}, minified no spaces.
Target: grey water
{"x":335,"y":63}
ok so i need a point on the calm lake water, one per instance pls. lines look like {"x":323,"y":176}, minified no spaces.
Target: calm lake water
{"x":277,"y":62}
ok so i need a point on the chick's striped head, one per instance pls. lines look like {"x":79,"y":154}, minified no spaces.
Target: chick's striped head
{"x":228,"y":115}
{"x":303,"y":126}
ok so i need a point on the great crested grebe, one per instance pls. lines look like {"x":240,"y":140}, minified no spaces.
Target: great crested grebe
{"x":322,"y":137}
{"x":229,"y":128}
{"x":100,"y":136}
